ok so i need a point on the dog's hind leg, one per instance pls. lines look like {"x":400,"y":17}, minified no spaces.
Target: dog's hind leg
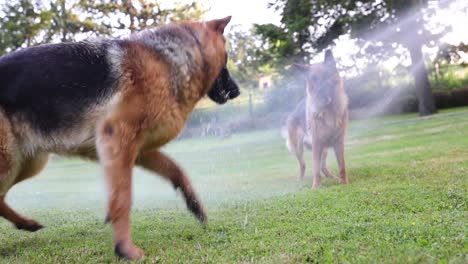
{"x":7,"y":160}
{"x":32,"y":166}
{"x":19,"y":221}
{"x":10,"y":174}
{"x":324,"y":167}
{"x":300,"y":158}
{"x":295,"y":145}
{"x":163,"y":165}
{"x":29,"y":168}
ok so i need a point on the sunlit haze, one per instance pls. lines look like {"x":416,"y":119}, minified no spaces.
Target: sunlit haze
{"x":248,"y":12}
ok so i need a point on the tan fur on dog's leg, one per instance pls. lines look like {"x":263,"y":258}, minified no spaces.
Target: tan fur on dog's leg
{"x":7,"y":143}
{"x":32,"y":166}
{"x":9,"y":167}
{"x":163,"y":165}
{"x":300,"y":156}
{"x":296,"y":146}
{"x":340,"y":157}
{"x":117,"y":147}
{"x":317,"y":156}
{"x":19,"y":221}
{"x":324,"y":167}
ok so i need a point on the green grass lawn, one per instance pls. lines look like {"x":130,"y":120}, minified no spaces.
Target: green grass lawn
{"x":406,"y":203}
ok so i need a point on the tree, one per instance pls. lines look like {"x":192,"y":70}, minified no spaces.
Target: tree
{"x":136,"y":15}
{"x":27,"y":23}
{"x":30,"y":22}
{"x":287,"y":43}
{"x":243,"y":56}
{"x":21,"y":24}
{"x":387,"y":23}
{"x":70,"y":19}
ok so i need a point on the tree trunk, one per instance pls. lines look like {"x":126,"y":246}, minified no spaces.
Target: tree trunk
{"x":437,"y":72}
{"x":64,"y":18}
{"x":131,"y":11}
{"x":421,"y":81}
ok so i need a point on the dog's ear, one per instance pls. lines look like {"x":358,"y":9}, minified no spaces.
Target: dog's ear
{"x":301,"y":67}
{"x":329,"y":60}
{"x":218,"y":25}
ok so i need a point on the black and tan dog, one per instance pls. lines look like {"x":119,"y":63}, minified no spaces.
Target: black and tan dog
{"x":116,"y":101}
{"x":320,"y":120}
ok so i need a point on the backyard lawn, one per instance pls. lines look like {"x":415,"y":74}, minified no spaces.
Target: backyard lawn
{"x":406,"y":202}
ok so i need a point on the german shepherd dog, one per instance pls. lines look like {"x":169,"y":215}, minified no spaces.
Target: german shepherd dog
{"x":115,"y":101}
{"x":320,"y":120}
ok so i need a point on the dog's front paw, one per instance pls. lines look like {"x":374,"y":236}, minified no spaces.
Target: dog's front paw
{"x":29,"y":225}
{"x":128,"y":251}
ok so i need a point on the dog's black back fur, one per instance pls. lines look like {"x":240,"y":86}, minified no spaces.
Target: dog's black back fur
{"x":51,"y":85}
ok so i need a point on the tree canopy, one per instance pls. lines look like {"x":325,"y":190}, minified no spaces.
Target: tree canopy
{"x":308,"y":26}
{"x":30,"y":22}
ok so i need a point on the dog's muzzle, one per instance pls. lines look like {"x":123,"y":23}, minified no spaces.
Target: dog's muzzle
{"x":224,"y":88}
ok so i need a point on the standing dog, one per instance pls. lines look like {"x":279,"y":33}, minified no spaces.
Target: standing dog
{"x":116,"y":101}
{"x":322,"y":117}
